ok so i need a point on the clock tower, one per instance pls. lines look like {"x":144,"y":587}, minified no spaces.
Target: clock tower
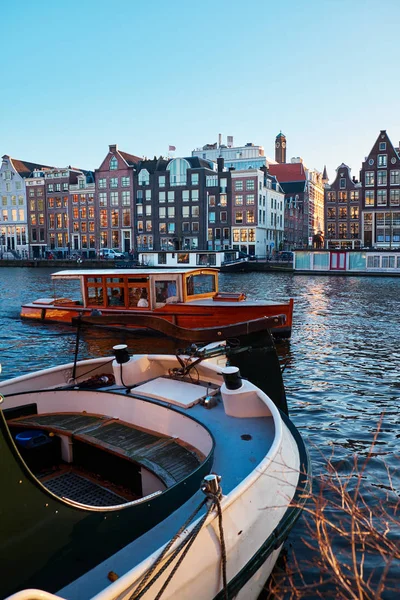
{"x":280,"y":148}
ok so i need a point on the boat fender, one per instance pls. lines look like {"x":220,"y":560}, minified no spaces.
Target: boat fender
{"x":244,"y":400}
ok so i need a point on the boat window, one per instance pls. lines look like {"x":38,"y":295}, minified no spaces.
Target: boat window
{"x":135,"y":294}
{"x":95,"y":296}
{"x":114,"y":280}
{"x":206,"y":259}
{"x":95,"y":280}
{"x":166,"y":291}
{"x":183,"y":258}
{"x":200,"y":284}
{"x":115,"y":296}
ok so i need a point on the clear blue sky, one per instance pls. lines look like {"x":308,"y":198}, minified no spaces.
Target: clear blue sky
{"x":77,"y":76}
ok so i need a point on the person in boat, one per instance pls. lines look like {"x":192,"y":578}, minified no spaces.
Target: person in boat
{"x":116,"y":299}
{"x":143,"y":301}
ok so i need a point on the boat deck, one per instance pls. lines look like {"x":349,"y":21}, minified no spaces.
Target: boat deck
{"x":240,"y":444}
{"x":167,"y":457}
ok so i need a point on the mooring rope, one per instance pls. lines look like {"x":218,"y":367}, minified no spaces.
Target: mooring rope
{"x":213,"y":497}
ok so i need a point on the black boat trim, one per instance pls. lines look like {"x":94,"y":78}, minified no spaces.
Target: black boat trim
{"x":281,"y":532}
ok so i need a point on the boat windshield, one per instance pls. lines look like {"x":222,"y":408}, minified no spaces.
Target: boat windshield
{"x":201,"y":284}
{"x":67,"y":289}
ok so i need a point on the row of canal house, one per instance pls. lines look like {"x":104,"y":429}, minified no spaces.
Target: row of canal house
{"x":366,"y":212}
{"x":138,"y":204}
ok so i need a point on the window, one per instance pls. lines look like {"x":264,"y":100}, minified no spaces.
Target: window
{"x":354,"y":230}
{"x":171,"y":228}
{"x":178,"y":171}
{"x":148,"y":195}
{"x":185,"y":196}
{"x":114,"y":182}
{"x":185,"y":212}
{"x":370,"y":178}
{"x":238,"y":217}
{"x":331,"y":213}
{"x":83,"y":199}
{"x":238,"y":200}
{"x":114,"y":198}
{"x":171,"y":196}
{"x":140,"y":226}
{"x":144,"y":177}
{"x":211,"y":217}
{"x":250,"y":184}
{"x":161,"y":181}
{"x":236,"y":235}
{"x":223,"y":185}
{"x":211,"y":200}
{"x":382,"y":178}
{"x":50,"y":187}
{"x":382,"y":198}
{"x":195,"y":195}
{"x":126,"y":197}
{"x":343,"y":213}
{"x":195,"y":179}
{"x":369,"y":198}
{"x":125,"y":181}
{"x":139,"y":209}
{"x":395,"y":197}
{"x":185,"y":227}
{"x":250,"y":216}
{"x":238,"y":186}
{"x":103,"y":218}
{"x":195,"y":211}
{"x":331,"y":196}
{"x":171,"y":212}
{"x":354,"y":212}
{"x":342,"y":196}
{"x":65,"y":186}
{"x":149,"y":226}
{"x":162,"y":227}
{"x":113,"y":164}
{"x":161,"y":196}
{"x":223,"y":200}
{"x":139,"y":196}
{"x":195,"y":226}
{"x":342,"y":230}
{"x":226,"y":233}
{"x":382,"y":160}
{"x":243,"y":235}
{"x":394,"y":177}
{"x":354,"y":195}
{"x":102,"y":183}
{"x":342,"y":184}
{"x":103,"y":199}
{"x":212,"y":181}
{"x":162,"y":212}
{"x":223,"y":216}
{"x":148,"y":211}
{"x":382,"y":146}
{"x":250,"y":199}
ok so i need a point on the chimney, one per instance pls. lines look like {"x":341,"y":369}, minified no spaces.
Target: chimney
{"x":219,"y":140}
{"x":220,"y":163}
{"x":229,"y":141}
{"x":113,"y":147}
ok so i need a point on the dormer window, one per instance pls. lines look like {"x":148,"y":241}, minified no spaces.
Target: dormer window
{"x":113,"y":164}
{"x":144,"y":177}
{"x":178,"y":171}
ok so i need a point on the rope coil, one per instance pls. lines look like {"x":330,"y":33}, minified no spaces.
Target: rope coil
{"x":212,"y":490}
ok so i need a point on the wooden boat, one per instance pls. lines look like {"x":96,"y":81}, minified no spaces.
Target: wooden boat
{"x":111,"y":479}
{"x":188,"y":298}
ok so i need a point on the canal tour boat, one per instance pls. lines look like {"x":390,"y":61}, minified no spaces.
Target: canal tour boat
{"x":116,"y":470}
{"x":188,"y":298}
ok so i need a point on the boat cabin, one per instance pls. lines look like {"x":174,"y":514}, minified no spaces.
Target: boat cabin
{"x":140,"y":289}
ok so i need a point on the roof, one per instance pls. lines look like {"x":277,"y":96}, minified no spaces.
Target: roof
{"x":131,"y":159}
{"x":25,"y":168}
{"x":78,"y":273}
{"x":280,"y":134}
{"x":197,"y":163}
{"x":288,"y":172}
{"x":325,"y":174}
{"x":293,"y":187}
{"x":155,"y":164}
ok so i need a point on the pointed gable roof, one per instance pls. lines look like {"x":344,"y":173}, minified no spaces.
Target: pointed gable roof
{"x":288,"y":172}
{"x":131,"y":159}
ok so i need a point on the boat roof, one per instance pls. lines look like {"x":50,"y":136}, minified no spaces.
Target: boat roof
{"x":79,"y":273}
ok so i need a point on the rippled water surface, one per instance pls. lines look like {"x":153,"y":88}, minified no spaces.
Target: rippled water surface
{"x":341,"y":373}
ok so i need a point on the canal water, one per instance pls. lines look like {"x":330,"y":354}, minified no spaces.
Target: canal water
{"x":341,"y":371}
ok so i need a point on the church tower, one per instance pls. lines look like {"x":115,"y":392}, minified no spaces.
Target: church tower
{"x":280,"y":148}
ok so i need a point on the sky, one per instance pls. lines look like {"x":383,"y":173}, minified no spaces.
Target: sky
{"x":78,"y":76}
